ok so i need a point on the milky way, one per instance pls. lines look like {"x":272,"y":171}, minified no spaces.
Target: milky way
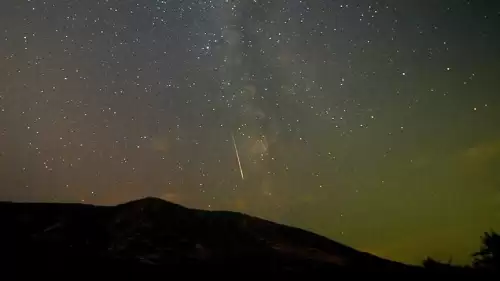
{"x":374,"y":123}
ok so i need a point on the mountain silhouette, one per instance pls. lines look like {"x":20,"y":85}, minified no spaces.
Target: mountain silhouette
{"x":152,"y":234}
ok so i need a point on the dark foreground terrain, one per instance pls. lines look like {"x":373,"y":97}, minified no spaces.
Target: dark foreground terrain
{"x":153,"y":235}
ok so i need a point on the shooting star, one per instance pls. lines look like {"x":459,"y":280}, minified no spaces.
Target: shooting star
{"x":237,"y":156}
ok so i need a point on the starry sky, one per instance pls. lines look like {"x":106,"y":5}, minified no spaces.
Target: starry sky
{"x":374,"y":123}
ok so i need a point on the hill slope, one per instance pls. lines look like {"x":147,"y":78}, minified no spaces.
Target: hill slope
{"x":154,"y":234}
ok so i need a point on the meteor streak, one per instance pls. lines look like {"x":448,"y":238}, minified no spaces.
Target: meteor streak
{"x":237,"y":157}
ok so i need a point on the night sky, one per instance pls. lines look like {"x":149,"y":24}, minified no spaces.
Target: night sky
{"x":374,"y":123}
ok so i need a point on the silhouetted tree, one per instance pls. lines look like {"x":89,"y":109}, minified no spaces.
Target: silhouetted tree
{"x":436,"y":266}
{"x":431,"y":263}
{"x":489,"y":255}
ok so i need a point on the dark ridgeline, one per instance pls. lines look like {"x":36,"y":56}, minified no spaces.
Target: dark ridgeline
{"x":154,"y":235}
{"x":486,"y":260}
